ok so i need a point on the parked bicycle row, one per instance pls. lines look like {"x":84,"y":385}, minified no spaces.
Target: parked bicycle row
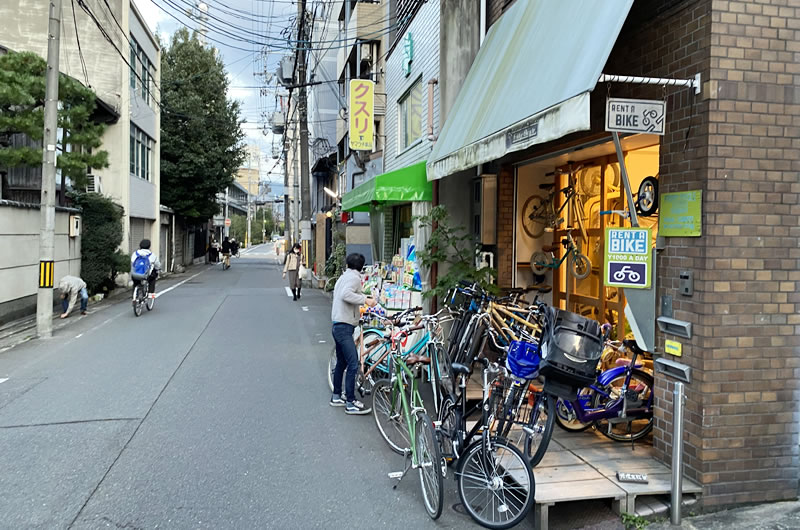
{"x":474,"y":390}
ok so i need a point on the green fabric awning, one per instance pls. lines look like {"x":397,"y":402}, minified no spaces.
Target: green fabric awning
{"x":401,"y":185}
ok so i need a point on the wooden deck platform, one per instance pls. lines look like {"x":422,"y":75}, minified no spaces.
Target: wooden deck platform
{"x":583,"y":466}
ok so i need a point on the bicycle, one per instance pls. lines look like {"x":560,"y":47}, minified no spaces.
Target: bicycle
{"x":397,"y":401}
{"x":142,"y":297}
{"x":539,"y":213}
{"x":580,"y":264}
{"x":226,"y":261}
{"x":622,"y":398}
{"x":495,"y":481}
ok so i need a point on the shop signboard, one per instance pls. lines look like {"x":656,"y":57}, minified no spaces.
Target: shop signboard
{"x":680,"y":214}
{"x":627,"y":258}
{"x":635,"y":115}
{"x":362,"y":120}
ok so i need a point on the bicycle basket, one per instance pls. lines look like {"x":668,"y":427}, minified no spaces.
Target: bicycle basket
{"x":571,"y":347}
{"x":523,"y":359}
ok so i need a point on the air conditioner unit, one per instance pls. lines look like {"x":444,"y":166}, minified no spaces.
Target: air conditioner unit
{"x":366,"y":52}
{"x":277,"y":122}
{"x":74,"y":225}
{"x":94,"y":184}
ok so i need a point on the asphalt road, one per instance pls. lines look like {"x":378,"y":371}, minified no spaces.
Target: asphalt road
{"x":211,"y":411}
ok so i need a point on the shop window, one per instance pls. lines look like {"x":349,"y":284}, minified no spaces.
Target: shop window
{"x":410,"y":115}
{"x":597,"y":187}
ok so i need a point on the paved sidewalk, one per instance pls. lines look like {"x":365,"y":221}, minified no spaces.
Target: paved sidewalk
{"x":772,"y":516}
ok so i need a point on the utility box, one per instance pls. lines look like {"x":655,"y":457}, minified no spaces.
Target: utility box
{"x":74,"y":225}
{"x":686,"y":283}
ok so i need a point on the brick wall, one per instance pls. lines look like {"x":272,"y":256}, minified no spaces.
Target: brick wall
{"x":739,"y":142}
{"x":742,"y":151}
{"x":505,"y":226}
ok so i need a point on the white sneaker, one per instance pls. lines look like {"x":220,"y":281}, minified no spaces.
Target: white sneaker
{"x":356,"y":407}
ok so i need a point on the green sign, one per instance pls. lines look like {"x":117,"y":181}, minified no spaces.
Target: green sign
{"x":627,"y":260}
{"x":680,"y":214}
{"x":408,"y":53}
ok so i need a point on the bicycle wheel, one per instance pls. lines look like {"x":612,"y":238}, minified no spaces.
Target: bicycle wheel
{"x":429,"y":463}
{"x":580,"y":266}
{"x":640,"y":394}
{"x":137,"y":302}
{"x":539,"y":429}
{"x":566,"y":419}
{"x":388,"y":412}
{"x":150,"y":302}
{"x":539,"y":262}
{"x":533,"y":216}
{"x":496,"y":485}
{"x":331,"y":367}
{"x":448,"y":426}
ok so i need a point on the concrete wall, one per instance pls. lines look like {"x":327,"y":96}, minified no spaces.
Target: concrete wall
{"x":142,"y":198}
{"x":19,"y":266}
{"x":459,"y":34}
{"x":424,"y":29}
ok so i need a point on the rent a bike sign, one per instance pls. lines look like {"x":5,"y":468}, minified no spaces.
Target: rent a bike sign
{"x":627,"y":260}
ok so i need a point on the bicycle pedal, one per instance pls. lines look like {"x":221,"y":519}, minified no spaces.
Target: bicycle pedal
{"x":396,"y":474}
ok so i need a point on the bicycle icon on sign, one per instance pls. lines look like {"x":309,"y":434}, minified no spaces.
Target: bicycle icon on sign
{"x":630,"y":274}
{"x":625,"y":273}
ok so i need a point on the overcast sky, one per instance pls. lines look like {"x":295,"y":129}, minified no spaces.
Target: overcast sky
{"x":265,"y":19}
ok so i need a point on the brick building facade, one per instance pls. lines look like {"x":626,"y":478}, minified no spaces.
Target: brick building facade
{"x":739,"y":142}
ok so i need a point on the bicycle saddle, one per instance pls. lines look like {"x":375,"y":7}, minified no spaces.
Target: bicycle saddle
{"x":631,"y":345}
{"x":460,"y":369}
{"x":417,"y":359}
{"x":546,"y":186}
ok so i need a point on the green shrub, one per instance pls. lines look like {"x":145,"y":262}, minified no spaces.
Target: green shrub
{"x":101,"y":259}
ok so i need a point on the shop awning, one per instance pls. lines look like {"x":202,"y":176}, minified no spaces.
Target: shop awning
{"x":530,"y":81}
{"x":402,"y":185}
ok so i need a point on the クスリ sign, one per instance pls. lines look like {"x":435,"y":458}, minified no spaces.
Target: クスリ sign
{"x":635,"y":115}
{"x":627,"y":259}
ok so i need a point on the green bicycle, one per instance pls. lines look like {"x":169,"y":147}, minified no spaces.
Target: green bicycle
{"x":401,"y":417}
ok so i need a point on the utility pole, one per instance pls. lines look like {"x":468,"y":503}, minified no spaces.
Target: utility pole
{"x":248,"y":238}
{"x":44,"y":297}
{"x":227,"y":229}
{"x":305,"y":185}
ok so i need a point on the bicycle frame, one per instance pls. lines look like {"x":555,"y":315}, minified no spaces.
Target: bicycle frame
{"x":402,"y":371}
{"x":572,"y":249}
{"x":619,"y":408}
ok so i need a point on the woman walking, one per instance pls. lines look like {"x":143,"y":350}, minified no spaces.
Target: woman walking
{"x":292,"y":264}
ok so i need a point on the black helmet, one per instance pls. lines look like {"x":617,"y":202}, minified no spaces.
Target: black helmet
{"x":145,"y":244}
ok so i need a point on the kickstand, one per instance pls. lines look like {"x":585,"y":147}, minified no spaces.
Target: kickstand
{"x":400,"y":474}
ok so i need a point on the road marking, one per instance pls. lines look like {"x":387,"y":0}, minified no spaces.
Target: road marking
{"x":79,"y":335}
{"x":288,"y":291}
{"x":165,"y":291}
{"x":305,"y":308}
{"x":321,"y":342}
{"x":3,"y":379}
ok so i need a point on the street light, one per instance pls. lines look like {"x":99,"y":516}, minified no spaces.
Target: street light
{"x":331,"y":193}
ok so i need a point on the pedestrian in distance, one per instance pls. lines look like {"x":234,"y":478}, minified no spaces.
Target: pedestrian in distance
{"x":71,"y":287}
{"x":291,"y":265}
{"x":145,"y":266}
{"x":226,"y":252}
{"x":348,"y":297}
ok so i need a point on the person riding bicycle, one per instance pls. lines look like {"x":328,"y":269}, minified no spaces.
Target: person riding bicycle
{"x":226,"y":251}
{"x":145,"y":265}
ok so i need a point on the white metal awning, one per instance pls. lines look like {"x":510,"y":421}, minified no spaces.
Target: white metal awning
{"x":530,"y":81}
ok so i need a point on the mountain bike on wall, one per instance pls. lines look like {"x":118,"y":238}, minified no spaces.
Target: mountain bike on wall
{"x":539,"y":213}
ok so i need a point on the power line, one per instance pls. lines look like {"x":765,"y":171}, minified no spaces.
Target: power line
{"x":80,"y":51}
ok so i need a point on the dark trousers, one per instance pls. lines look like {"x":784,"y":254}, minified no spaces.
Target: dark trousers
{"x":151,"y":282}
{"x":346,"y":357}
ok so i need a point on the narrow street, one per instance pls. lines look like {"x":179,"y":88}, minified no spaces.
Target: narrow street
{"x":208,"y":412}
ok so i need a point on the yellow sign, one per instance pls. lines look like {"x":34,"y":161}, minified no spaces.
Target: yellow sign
{"x":46,"y":274}
{"x":362,"y":119}
{"x":673,"y":348}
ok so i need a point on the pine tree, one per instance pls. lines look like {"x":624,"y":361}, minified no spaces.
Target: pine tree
{"x":22,"y":95}
{"x":201,"y":141}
